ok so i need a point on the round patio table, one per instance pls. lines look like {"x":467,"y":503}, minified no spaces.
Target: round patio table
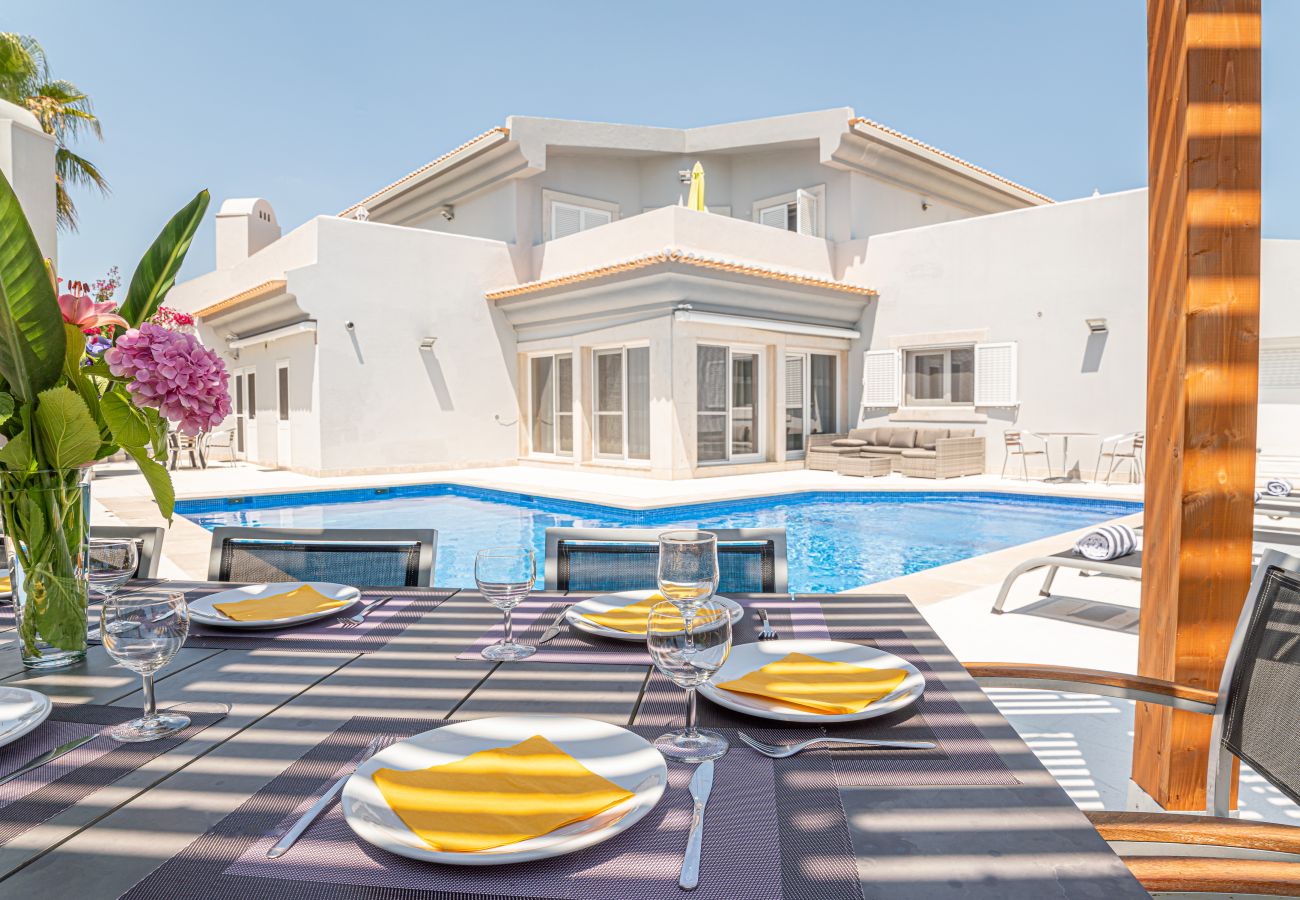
{"x":1067,"y":476}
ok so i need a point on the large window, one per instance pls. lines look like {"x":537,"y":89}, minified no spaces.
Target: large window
{"x":811,"y":398}
{"x":621,"y":408}
{"x":940,"y":376}
{"x":801,"y":211}
{"x":551,"y":404}
{"x":728,"y":387}
{"x":566,"y":214}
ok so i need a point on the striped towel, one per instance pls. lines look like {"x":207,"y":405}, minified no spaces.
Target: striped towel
{"x":1107,"y":542}
{"x":1277,"y":487}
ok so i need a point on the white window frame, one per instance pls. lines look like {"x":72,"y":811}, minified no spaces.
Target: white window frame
{"x":805,"y":360}
{"x":555,"y":356}
{"x":596,"y":353}
{"x":550,"y":198}
{"x":791,"y":198}
{"x":946,"y":402}
{"x":760,"y":396}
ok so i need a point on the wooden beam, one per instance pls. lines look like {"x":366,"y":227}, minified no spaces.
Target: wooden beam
{"x":1202,"y":365}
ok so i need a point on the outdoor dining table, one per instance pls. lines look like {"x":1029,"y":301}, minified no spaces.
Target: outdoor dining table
{"x":1067,"y":475}
{"x":187,"y":822}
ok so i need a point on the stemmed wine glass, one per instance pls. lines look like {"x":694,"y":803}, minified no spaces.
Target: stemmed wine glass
{"x":113,"y":562}
{"x":143,"y":633}
{"x":689,"y":647}
{"x":688,"y":567}
{"x":504,"y":576}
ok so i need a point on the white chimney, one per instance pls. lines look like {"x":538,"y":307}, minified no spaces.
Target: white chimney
{"x":244,"y":226}
{"x":27,"y":159}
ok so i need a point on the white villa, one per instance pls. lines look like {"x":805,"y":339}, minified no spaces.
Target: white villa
{"x":540,"y":294}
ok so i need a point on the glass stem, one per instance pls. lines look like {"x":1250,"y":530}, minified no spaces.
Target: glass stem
{"x":690,"y":712}
{"x":150,"y":704}
{"x":510,"y":634}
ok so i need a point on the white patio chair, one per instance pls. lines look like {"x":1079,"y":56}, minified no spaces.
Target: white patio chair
{"x":1014,"y":445}
{"x":1128,"y":449}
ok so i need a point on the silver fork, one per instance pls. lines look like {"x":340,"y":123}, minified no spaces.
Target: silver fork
{"x":765,"y":632}
{"x":354,"y":621}
{"x":781,"y":751}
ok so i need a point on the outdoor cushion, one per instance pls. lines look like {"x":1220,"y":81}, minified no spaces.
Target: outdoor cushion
{"x":880,"y":451}
{"x":863,"y":434}
{"x":848,"y":442}
{"x":902,"y":438}
{"x":829,"y":448}
{"x":926,"y":437}
{"x":920,"y":454}
{"x":961,"y":432}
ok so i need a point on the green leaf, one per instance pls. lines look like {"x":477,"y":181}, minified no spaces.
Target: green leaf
{"x":125,"y":421}
{"x":67,"y":434}
{"x":74,"y":350}
{"x":17,"y":454}
{"x":160,"y":482}
{"x":60,"y":607}
{"x":99,"y":369}
{"x":156,"y":273}
{"x":158,"y":425}
{"x":31,"y":327}
{"x":6,"y":406}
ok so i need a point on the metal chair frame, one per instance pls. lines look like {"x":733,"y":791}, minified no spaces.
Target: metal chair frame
{"x":556,"y":536}
{"x":426,"y":538}
{"x":150,"y":539}
{"x":1013,"y":444}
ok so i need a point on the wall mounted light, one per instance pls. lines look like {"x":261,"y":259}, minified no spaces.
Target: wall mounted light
{"x":448,"y":212}
{"x":684,"y":176}
{"x":1097,"y":326}
{"x":427,"y":343}
{"x":925,"y":205}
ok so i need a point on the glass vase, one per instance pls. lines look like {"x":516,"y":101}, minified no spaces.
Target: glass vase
{"x":46,"y":517}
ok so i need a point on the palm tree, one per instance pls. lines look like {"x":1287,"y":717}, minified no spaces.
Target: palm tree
{"x":63,"y":110}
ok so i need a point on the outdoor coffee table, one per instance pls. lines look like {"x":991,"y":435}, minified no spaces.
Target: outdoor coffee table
{"x":909,"y":829}
{"x":863,"y":466}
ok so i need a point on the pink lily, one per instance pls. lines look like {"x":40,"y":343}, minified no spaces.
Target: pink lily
{"x":80,"y":310}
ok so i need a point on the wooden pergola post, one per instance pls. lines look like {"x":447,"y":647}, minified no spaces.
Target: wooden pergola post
{"x":1202,"y":367}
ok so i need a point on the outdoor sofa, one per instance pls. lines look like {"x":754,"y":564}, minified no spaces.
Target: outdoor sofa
{"x":919,"y":452}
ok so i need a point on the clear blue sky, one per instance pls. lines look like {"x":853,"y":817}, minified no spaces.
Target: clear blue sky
{"x":314,"y":105}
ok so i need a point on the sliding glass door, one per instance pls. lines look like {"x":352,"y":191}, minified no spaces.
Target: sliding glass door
{"x":728,"y":405}
{"x":551,"y":404}
{"x":811,"y":399}
{"x":621,"y":408}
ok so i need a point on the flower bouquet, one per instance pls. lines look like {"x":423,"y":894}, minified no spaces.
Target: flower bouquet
{"x":63,"y":407}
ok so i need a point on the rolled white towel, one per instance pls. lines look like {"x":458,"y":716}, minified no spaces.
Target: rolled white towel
{"x":1106,"y":542}
{"x":1277,"y":487}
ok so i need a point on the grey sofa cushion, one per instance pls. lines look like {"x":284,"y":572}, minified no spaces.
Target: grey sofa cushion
{"x":920,"y":454}
{"x":881,"y":451}
{"x":961,"y":432}
{"x":830,"y":448}
{"x":868,"y":435}
{"x":925,"y":437}
{"x":848,"y":442}
{"x":902,"y":438}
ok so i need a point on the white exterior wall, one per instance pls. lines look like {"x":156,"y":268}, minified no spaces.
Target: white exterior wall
{"x":27,"y":160}
{"x":1279,"y":314}
{"x":1033,"y":276}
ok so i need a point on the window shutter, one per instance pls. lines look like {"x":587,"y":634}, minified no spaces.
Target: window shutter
{"x":805,"y":212}
{"x":774,"y":215}
{"x":794,"y":381}
{"x":995,"y":375}
{"x":881,"y":378}
{"x":593,"y":218}
{"x":1279,"y":367}
{"x":565,"y":220}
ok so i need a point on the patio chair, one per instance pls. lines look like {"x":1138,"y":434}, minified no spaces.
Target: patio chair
{"x":178,"y":443}
{"x":1126,"y":449}
{"x":1254,"y":718}
{"x":1106,"y":449}
{"x":750,"y":560}
{"x":1014,"y":445}
{"x":361,"y":557}
{"x":219,"y":440}
{"x":148,"y":544}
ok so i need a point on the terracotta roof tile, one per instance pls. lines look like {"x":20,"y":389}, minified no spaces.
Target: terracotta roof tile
{"x":679,"y":257}
{"x":265,"y":289}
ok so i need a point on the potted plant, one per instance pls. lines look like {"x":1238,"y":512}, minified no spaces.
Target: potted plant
{"x":62,"y":409}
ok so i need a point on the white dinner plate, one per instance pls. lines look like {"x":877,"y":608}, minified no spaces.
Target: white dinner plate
{"x":203,"y":610}
{"x":624,"y":758}
{"x":21,"y":710}
{"x":745,"y":658}
{"x":577,"y":613}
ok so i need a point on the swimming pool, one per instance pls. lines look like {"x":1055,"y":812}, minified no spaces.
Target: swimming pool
{"x":836,"y":540}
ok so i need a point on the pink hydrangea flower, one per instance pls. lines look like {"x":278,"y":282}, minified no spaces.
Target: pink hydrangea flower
{"x":173,"y":373}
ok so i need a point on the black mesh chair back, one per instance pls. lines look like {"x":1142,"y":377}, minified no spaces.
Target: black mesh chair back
{"x":359,"y":557}
{"x":148,"y":544}
{"x":1261,"y":713}
{"x":750,"y":561}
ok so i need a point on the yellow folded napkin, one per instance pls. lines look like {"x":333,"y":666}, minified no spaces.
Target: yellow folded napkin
{"x":6,"y":585}
{"x":497,"y":797}
{"x":820,"y":685}
{"x":297,"y":602}
{"x":632,"y":619}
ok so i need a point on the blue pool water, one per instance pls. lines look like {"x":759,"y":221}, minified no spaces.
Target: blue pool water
{"x":836,"y":541}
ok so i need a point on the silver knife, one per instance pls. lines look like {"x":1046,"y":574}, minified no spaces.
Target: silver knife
{"x":556,"y":627}
{"x":48,"y":756}
{"x":287,"y":840}
{"x":701,"y":785}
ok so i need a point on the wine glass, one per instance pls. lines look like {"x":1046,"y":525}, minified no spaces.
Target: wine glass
{"x":504,"y":576}
{"x":688,"y":567}
{"x":113,"y":562}
{"x":689,"y":646}
{"x":143,"y":633}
